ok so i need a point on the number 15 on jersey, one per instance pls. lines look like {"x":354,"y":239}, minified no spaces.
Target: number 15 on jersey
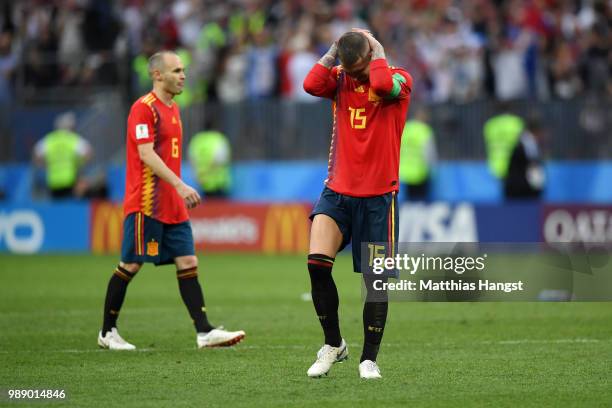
{"x":358,"y":118}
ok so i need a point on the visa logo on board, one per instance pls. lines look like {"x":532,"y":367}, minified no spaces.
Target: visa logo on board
{"x":437,"y":222}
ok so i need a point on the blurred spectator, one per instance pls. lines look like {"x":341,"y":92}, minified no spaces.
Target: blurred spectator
{"x":526,"y":177}
{"x":597,"y":50}
{"x":41,"y":68}
{"x":417,"y":156}
{"x":230,"y":83}
{"x":459,"y":51}
{"x":346,"y":18}
{"x":187,"y":15}
{"x":511,"y":81}
{"x":62,"y":152}
{"x":566,"y":83}
{"x":71,"y":47}
{"x":301,"y":60}
{"x":8,"y":63}
{"x":261,"y":77}
{"x":140,"y":66}
{"x":501,"y":134}
{"x":210,"y":155}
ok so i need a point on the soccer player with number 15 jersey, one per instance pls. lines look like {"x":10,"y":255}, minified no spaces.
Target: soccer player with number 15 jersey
{"x":369,"y":102}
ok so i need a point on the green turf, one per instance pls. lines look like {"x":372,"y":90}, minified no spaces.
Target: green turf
{"x":433,"y":354}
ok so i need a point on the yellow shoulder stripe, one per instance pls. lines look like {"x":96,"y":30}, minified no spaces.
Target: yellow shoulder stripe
{"x":147,"y":100}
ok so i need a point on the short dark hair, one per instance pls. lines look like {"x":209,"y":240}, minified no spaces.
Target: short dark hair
{"x":352,"y":46}
{"x":156,"y":61}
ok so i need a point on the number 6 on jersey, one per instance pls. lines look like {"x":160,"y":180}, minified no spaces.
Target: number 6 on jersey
{"x":175,"y":147}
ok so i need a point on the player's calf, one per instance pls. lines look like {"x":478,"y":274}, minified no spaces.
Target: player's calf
{"x":374,"y":320}
{"x":191,"y":293}
{"x":325,"y":296}
{"x":115,"y":294}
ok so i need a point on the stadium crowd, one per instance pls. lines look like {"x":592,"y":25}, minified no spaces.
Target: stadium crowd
{"x":457,"y":51}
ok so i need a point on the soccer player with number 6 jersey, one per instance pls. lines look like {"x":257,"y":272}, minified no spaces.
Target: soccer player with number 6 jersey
{"x":369,"y":103}
{"x":156,"y":227}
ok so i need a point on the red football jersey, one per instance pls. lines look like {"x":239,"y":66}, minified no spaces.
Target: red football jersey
{"x":367,"y":129}
{"x":152,"y":121}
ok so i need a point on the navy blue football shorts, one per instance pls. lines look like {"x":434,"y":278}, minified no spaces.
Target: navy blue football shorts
{"x":146,"y":239}
{"x":362,"y":220}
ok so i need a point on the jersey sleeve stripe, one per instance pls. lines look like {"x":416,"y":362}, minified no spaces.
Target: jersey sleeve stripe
{"x":148,"y":99}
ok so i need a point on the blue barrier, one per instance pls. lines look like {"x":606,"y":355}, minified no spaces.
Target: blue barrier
{"x":16,"y":181}
{"x":465,"y":181}
{"x":579,"y":182}
{"x":53,"y":227}
{"x":279,"y":181}
{"x":453,"y":181}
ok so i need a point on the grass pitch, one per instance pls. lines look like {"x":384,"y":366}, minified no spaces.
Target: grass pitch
{"x":433,"y":354}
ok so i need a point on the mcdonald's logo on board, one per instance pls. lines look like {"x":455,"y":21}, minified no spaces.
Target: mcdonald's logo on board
{"x":106,"y":227}
{"x":286,"y":229}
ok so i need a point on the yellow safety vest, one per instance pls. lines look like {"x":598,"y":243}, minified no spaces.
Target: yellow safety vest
{"x":62,"y":158}
{"x":414,"y":166}
{"x":501,"y":134}
{"x":202,"y":150}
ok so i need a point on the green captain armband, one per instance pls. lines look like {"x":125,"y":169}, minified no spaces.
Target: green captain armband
{"x":398,"y":80}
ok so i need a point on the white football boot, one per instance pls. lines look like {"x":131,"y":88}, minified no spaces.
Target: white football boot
{"x":113,"y":341}
{"x":326,"y":357}
{"x":219,"y":338}
{"x":369,"y":370}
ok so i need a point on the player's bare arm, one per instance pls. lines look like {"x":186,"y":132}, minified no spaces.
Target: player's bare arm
{"x":329,"y":58}
{"x":321,"y":80}
{"x":150,"y":158}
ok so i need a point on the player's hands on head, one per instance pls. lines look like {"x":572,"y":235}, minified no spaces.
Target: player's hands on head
{"x":189,"y":194}
{"x":377,"y":49}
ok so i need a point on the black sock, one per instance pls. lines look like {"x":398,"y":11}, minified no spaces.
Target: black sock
{"x":115,"y":294}
{"x":374,"y":320}
{"x":325,"y":296}
{"x":191,"y":292}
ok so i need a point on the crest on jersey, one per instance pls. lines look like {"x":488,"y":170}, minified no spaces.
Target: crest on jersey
{"x":360,"y":89}
{"x":173,"y":120}
{"x":152,"y":248}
